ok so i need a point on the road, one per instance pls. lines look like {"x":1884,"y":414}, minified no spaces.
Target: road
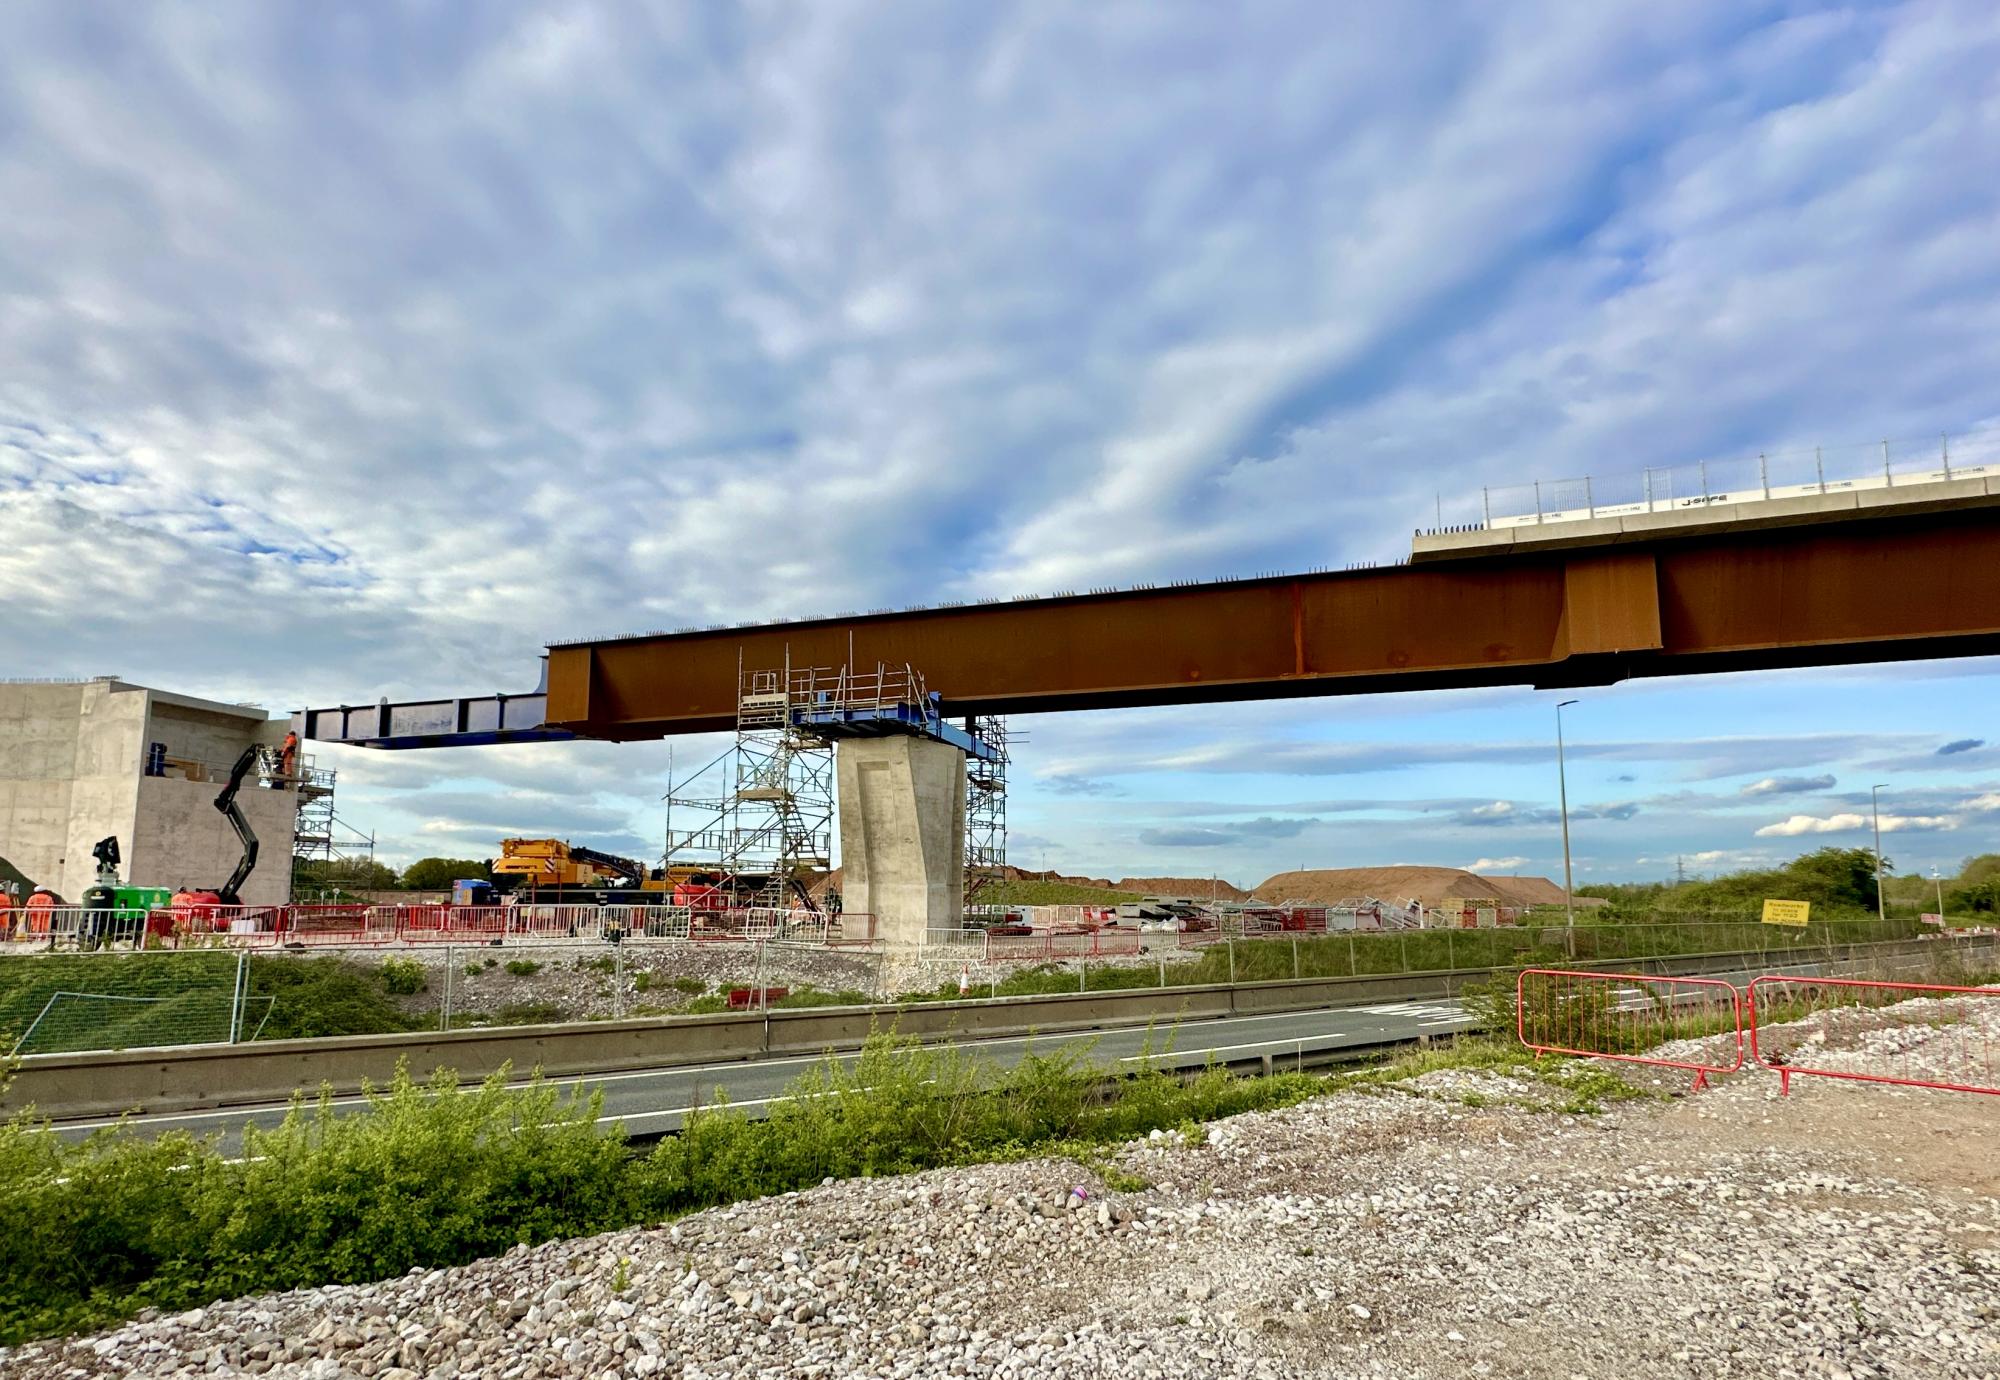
{"x":653,"y":1102}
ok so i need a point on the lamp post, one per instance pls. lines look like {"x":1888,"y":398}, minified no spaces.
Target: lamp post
{"x":1562,"y":788}
{"x":1875,"y":808}
{"x":1937,"y":880}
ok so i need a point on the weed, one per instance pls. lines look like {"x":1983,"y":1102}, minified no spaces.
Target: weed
{"x":693,"y":986}
{"x":404,"y":977}
{"x":641,"y":981}
{"x":621,"y":1277}
{"x":523,"y":967}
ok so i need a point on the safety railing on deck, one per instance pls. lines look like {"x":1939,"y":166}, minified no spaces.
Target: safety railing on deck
{"x":1883,"y":465}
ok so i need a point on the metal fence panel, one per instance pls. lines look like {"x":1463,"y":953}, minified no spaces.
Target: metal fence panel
{"x":1957,"y":1054}
{"x":1622,"y":1016}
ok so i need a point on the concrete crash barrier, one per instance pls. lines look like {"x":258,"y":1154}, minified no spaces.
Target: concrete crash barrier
{"x":195,"y":1077}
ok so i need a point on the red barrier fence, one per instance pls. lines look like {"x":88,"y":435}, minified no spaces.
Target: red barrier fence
{"x":1622,"y":1015}
{"x":1050,"y":945}
{"x":1889,"y":1020}
{"x":355,"y":924}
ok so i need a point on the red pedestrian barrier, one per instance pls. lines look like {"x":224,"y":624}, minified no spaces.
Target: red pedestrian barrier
{"x":1914,"y":1047}
{"x":1622,"y":1015}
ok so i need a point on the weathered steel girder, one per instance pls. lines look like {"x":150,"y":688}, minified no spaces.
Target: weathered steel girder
{"x":1900,"y":588}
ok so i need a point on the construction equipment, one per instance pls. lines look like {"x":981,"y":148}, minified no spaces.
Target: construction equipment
{"x":112,"y":910}
{"x":229,"y":893}
{"x":555,"y":870}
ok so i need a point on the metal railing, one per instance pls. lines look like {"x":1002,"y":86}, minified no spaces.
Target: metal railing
{"x":1901,"y":1033}
{"x":1772,"y":475}
{"x":1627,"y":1017}
{"x":355,"y":925}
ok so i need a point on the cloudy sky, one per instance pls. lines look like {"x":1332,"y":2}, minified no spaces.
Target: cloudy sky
{"x":357,"y":350}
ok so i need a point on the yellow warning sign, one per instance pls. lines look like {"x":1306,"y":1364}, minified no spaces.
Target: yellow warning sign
{"x":1792,"y":913}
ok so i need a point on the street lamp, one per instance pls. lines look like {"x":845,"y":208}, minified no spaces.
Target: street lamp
{"x":1937,"y":880}
{"x":1562,"y":787}
{"x":1875,"y":806}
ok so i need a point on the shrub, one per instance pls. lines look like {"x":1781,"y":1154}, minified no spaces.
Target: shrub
{"x":523,"y":967}
{"x":404,"y":977}
{"x":301,"y":998}
{"x":429,"y":1175}
{"x":641,"y":981}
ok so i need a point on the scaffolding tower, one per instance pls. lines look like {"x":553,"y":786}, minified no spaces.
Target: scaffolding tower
{"x":320,"y":836}
{"x":760,"y":816}
{"x":986,"y":804}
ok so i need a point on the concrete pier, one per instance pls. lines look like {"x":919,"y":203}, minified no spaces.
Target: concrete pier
{"x":902,"y":834}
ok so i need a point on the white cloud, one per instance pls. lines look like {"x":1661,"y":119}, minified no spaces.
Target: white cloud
{"x":1789,"y":785}
{"x":1849,"y":823}
{"x":327,"y":375}
{"x":1495,"y":864}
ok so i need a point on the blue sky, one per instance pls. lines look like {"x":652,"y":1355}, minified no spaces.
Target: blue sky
{"x":356,"y":351}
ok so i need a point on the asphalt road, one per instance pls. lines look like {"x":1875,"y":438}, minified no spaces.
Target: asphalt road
{"x":652,"y":1102}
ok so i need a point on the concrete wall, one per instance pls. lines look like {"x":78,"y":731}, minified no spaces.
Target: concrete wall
{"x":180,"y":837}
{"x":902,"y":834}
{"x":201,"y":735}
{"x":71,"y":764}
{"x":70,"y":757}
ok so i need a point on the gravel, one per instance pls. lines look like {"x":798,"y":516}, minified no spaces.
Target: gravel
{"x":1442,"y":1229}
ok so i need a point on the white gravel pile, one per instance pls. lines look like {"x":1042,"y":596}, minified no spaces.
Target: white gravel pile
{"x":1440,"y":1232}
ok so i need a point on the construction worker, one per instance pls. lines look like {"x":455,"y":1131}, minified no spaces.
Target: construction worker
{"x":41,"y":910}
{"x":288,"y":758}
{"x":6,"y":911}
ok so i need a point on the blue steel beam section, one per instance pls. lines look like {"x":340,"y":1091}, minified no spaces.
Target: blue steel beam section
{"x":470,"y":721}
{"x":477,"y":721}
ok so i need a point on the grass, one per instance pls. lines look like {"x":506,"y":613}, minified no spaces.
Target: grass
{"x":181,"y":997}
{"x":1025,"y":893}
{"x":1574,"y":1086}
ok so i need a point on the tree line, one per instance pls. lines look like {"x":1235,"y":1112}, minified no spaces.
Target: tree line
{"x":425,"y":874}
{"x":1830,"y":878}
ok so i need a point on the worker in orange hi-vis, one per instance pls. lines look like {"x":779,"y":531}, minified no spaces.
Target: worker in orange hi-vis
{"x":6,"y":913}
{"x":41,"y":908}
{"x":288,"y":757}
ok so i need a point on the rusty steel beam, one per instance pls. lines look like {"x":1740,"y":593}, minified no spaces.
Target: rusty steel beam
{"x":1832,"y":593}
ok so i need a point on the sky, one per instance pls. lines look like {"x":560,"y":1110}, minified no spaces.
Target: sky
{"x":359,"y":351}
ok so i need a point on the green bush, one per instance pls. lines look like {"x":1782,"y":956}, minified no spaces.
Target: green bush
{"x":693,"y":986}
{"x":403,"y":977}
{"x":301,"y":998}
{"x":431,"y":1175}
{"x":523,"y":967}
{"x":641,"y":981}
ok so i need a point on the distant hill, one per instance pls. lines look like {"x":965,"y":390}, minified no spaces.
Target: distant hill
{"x":1429,"y":885}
